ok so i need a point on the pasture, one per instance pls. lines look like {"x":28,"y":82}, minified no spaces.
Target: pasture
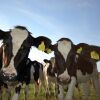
{"x":77,"y":95}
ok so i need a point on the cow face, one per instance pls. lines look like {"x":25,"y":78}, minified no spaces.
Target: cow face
{"x":62,"y":50}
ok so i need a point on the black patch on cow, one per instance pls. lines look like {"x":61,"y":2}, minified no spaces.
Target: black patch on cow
{"x":36,"y":67}
{"x":23,"y":72}
{"x":50,"y":71}
{"x":17,"y":89}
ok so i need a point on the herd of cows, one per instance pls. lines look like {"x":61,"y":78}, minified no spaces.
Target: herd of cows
{"x":71,"y":65}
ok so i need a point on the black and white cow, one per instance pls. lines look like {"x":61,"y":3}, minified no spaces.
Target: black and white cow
{"x":73,"y":69}
{"x":21,"y":44}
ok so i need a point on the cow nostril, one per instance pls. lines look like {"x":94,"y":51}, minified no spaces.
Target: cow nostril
{"x":68,"y":78}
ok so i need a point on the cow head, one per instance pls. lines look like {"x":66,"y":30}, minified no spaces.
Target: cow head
{"x":62,"y":50}
{"x":41,"y":43}
{"x":50,"y":64}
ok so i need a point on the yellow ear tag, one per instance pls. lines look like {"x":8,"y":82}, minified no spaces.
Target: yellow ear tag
{"x":42,"y":46}
{"x":48,"y":50}
{"x":79,"y":50}
{"x":94,"y":55}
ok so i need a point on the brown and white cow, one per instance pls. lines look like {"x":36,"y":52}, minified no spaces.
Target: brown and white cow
{"x":49,"y":76}
{"x":73,"y":69}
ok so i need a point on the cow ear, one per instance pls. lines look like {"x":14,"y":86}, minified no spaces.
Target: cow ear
{"x":53,"y":47}
{"x":48,"y":50}
{"x":79,"y":50}
{"x":42,"y":46}
{"x":95,"y":55}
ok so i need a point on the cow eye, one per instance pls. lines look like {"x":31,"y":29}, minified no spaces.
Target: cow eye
{"x":22,"y":47}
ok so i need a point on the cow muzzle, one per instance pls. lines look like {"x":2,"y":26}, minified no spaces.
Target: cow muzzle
{"x":64,"y":77}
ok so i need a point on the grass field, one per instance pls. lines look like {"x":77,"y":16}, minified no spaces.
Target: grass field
{"x":41,"y":96}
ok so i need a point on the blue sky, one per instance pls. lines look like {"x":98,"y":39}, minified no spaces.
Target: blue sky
{"x":78,"y":20}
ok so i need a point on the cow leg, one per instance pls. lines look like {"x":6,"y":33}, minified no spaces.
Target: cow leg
{"x":96,"y":83}
{"x":8,"y":93}
{"x":71,"y":88}
{"x":37,"y":89}
{"x":26,"y":92}
{"x":46,"y":87}
{"x":60,"y":92}
{"x":86,"y":90}
{"x":50,"y":88}
{"x":17,"y":92}
{"x":1,"y":93}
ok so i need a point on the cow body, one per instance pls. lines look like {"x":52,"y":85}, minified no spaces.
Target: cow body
{"x":73,"y":69}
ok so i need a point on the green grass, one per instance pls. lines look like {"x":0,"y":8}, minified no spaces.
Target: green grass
{"x":41,"y":96}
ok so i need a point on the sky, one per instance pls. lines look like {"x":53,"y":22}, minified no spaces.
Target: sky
{"x":78,"y":20}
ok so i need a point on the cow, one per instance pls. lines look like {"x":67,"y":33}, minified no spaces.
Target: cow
{"x":49,"y":76}
{"x":21,"y":40}
{"x":73,"y":69}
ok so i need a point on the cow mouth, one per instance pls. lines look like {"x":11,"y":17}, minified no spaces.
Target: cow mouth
{"x":8,"y":74}
{"x":62,"y":82}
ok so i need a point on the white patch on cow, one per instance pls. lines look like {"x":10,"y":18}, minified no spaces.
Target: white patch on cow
{"x":45,"y":67}
{"x":15,"y":96}
{"x":18,"y":36}
{"x":1,"y":43}
{"x":71,"y":87}
{"x":81,"y":77}
{"x":52,"y":61}
{"x":61,"y":94}
{"x":32,"y":70}
{"x":64,"y":48}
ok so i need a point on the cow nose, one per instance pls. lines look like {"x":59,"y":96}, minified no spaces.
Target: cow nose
{"x":64,"y":77}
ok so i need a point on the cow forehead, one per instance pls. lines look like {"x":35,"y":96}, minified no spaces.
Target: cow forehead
{"x":18,"y":36}
{"x":64,"y":41}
